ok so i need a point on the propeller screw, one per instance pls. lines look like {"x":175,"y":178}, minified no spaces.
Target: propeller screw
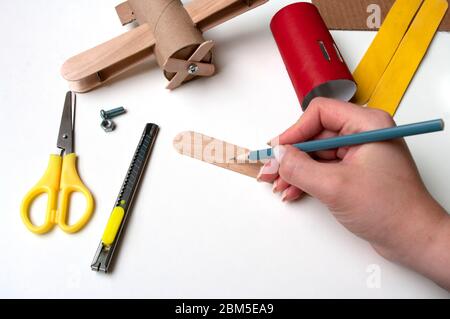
{"x":107,"y":124}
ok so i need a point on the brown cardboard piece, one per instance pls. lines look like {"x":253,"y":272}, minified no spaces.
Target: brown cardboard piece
{"x":175,"y":33}
{"x":360,"y":14}
{"x":171,"y":25}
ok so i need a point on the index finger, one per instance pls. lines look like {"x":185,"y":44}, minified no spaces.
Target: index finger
{"x":326,"y":114}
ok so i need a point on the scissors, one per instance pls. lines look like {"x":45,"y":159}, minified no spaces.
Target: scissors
{"x":61,"y":179}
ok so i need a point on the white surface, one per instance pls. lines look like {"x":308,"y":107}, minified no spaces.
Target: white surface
{"x":196,"y":230}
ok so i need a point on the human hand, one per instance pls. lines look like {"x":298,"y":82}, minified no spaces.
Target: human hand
{"x":374,"y":190}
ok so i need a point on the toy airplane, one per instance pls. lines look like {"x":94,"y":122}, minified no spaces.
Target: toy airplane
{"x":167,"y":29}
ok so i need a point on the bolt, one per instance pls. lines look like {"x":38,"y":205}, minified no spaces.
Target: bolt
{"x":108,"y":115}
{"x":108,"y":126}
{"x":192,"y":69}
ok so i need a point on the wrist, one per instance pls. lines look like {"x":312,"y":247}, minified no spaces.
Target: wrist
{"x":412,"y":230}
{"x":422,"y":243}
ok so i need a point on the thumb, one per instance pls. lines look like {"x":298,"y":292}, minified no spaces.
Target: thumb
{"x":299,"y":169}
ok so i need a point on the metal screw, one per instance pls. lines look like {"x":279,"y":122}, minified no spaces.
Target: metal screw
{"x":108,"y":126}
{"x":108,"y":115}
{"x":192,"y":69}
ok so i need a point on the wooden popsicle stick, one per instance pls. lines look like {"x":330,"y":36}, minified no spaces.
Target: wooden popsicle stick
{"x":91,"y":68}
{"x":214,"y":151}
{"x":208,"y":14}
{"x":95,"y":66}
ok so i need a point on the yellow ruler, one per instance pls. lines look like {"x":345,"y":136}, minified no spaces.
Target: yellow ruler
{"x":391,"y":61}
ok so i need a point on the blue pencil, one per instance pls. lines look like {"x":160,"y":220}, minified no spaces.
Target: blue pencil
{"x":354,"y":139}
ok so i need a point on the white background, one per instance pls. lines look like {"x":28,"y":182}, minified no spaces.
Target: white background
{"x":196,"y":230}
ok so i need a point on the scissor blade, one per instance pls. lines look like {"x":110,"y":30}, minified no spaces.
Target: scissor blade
{"x":65,"y":137}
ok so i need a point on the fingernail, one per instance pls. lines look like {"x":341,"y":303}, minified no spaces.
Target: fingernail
{"x":273,"y":142}
{"x":258,"y":178}
{"x":262,"y":171}
{"x":269,"y":168}
{"x":279,"y":152}
{"x":274,"y":187}
{"x":284,"y":195}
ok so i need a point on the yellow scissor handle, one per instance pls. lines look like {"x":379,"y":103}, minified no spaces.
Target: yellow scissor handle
{"x":71,"y":183}
{"x":49,"y":184}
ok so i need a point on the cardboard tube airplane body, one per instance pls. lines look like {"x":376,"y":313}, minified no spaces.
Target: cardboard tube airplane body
{"x":167,"y":29}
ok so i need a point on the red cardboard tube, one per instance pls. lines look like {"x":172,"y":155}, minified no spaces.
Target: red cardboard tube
{"x":311,"y":56}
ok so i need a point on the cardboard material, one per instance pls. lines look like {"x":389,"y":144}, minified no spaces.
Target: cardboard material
{"x":360,"y":14}
{"x":174,"y":31}
{"x":312,"y":58}
{"x":125,"y":13}
{"x":214,"y":151}
{"x":195,"y":65}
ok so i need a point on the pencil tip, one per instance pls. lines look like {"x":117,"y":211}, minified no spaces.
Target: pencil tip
{"x":241,"y":158}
